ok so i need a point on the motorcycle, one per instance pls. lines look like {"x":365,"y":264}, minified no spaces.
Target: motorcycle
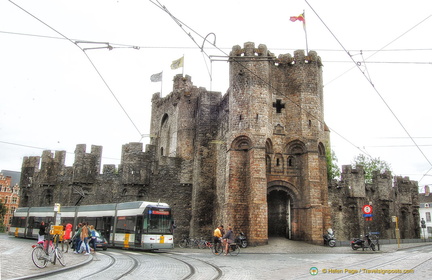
{"x":329,"y":238}
{"x":365,"y":243}
{"x":241,"y":240}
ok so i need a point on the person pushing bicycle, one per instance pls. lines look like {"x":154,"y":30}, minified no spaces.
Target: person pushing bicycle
{"x":228,"y":238}
{"x":217,"y":235}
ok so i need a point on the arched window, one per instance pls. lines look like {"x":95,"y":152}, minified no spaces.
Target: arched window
{"x":291,"y":161}
{"x":241,"y":143}
{"x":321,"y":150}
{"x":268,"y":164}
{"x":279,"y":167}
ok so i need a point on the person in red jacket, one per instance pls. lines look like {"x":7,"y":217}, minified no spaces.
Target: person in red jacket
{"x":67,"y":237}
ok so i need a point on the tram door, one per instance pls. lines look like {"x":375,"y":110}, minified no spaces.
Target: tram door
{"x":139,"y":230}
{"x":30,"y":226}
{"x":106,"y":228}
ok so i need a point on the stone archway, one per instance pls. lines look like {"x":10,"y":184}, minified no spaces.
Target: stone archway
{"x":279,"y":214}
{"x":281,"y":200}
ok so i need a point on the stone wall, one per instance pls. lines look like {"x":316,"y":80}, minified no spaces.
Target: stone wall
{"x":389,"y":196}
{"x":253,"y":158}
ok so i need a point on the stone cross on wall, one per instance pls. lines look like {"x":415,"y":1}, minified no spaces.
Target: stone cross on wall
{"x":278,"y":105}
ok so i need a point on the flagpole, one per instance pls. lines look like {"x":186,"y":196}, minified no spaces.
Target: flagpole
{"x":161,"y":83}
{"x":304,"y":27}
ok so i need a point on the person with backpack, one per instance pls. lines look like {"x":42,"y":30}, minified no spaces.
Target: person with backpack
{"x":77,"y":239}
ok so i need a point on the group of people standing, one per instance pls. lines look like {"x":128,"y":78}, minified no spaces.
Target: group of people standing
{"x":84,"y":238}
{"x":219,"y":236}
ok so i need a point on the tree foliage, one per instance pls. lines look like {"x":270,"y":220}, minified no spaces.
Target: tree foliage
{"x":3,"y":210}
{"x":370,"y":165}
{"x":333,"y":170}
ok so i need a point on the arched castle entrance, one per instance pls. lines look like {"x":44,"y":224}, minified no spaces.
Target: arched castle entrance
{"x":281,"y":201}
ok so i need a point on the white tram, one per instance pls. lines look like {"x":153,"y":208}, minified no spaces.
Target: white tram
{"x":138,"y":224}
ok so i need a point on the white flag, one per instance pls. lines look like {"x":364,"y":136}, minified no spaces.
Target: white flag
{"x":156,"y":77}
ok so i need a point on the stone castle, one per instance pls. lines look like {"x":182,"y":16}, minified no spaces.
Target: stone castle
{"x":253,"y":158}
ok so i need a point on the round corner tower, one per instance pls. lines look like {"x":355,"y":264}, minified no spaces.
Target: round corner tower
{"x":276,"y":180}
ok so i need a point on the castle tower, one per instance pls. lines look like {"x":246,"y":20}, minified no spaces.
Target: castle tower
{"x":248,"y":128}
{"x":276,"y":182}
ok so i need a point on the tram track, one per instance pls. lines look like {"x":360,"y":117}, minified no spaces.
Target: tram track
{"x":378,"y":264}
{"x":120,"y":265}
{"x":131,"y":264}
{"x":193,"y":270}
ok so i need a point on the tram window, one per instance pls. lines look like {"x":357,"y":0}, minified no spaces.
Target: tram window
{"x":18,"y":222}
{"x":38,"y":220}
{"x":125,"y":224}
{"x":67,"y":221}
{"x":90,"y":221}
{"x":158,"y":221}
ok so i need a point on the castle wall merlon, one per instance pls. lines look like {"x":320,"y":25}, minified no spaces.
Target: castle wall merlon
{"x":183,"y":84}
{"x":86,"y":166}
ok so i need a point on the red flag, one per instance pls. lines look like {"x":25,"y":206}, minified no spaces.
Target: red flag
{"x":300,"y":18}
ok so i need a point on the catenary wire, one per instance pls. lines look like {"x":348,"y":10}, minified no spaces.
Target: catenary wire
{"x":182,"y":25}
{"x":373,"y":86}
{"x":363,"y":151}
{"x":91,"y":62}
{"x":41,"y":148}
{"x":157,"y":47}
{"x":122,"y":45}
{"x":374,"y":52}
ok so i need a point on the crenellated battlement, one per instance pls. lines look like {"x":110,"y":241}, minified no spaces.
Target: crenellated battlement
{"x":389,"y":196}
{"x":254,"y":158}
{"x":249,"y":51}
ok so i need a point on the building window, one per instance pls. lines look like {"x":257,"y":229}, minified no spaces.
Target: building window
{"x":428,"y":217}
{"x":14,"y":200}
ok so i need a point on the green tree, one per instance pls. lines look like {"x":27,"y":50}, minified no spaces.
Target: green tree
{"x":3,"y":210}
{"x":333,"y":171}
{"x":370,"y":165}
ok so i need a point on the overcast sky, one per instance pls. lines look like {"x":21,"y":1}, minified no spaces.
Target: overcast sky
{"x":57,"y":92}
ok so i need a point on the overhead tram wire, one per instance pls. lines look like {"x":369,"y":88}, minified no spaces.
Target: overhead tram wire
{"x":122,"y":45}
{"x":374,"y":52}
{"x":181,"y":24}
{"x":373,"y":86}
{"x":43,"y":149}
{"x":89,"y":59}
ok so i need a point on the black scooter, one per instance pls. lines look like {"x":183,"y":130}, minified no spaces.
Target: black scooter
{"x":357,"y":243}
{"x":329,"y":238}
{"x":241,"y":240}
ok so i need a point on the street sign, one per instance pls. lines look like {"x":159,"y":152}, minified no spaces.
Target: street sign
{"x":367,"y":209}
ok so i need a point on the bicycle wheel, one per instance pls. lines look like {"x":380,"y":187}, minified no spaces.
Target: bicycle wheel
{"x":372,"y":246}
{"x":202,"y":244}
{"x":60,"y":257}
{"x":217,"y":249}
{"x":234,"y":249}
{"x":39,"y":257}
{"x":183,"y":243}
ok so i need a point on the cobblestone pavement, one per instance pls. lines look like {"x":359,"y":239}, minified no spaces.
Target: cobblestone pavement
{"x":16,"y":262}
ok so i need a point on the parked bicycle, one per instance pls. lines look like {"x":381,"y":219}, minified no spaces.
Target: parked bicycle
{"x":188,"y":242}
{"x":219,"y":249}
{"x":48,"y":252}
